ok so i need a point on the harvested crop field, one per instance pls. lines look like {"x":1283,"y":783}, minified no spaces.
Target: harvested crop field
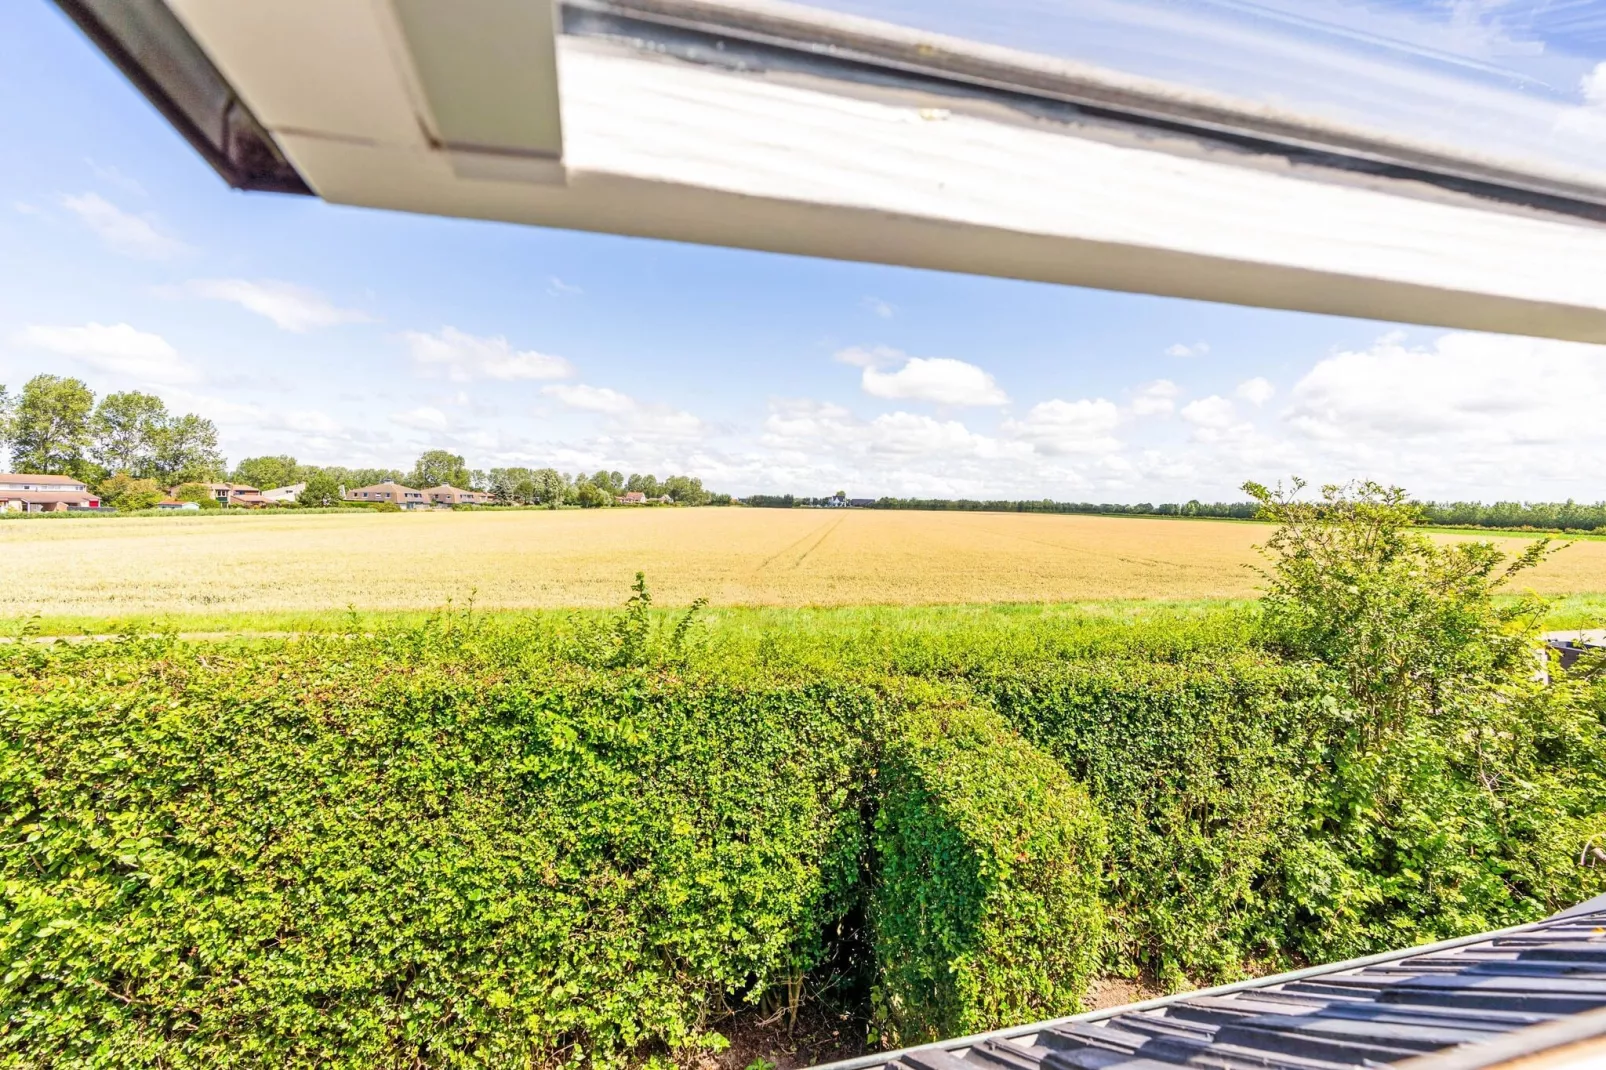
{"x":258,"y":563}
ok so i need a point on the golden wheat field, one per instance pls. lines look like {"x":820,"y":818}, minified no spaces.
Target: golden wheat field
{"x":258,"y":563}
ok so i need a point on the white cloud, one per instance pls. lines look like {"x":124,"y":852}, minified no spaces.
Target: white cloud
{"x":1488,"y":387}
{"x":311,"y":422}
{"x":871,"y":357}
{"x":1155,"y":399}
{"x":1179,"y":349}
{"x":1256,"y":391}
{"x":627,"y":414}
{"x":556,"y":287}
{"x":1593,"y":86}
{"x":878,"y":307}
{"x":116,"y":349}
{"x":110,"y":174}
{"x":591,"y":398}
{"x":123,"y":231}
{"x":917,"y":435}
{"x":1214,"y":411}
{"x":423,"y":418}
{"x":941,"y":380}
{"x":465,"y":357}
{"x":24,"y":208}
{"x":291,"y":307}
{"x":1060,"y":427}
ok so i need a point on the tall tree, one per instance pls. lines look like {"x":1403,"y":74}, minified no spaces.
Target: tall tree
{"x":687,"y":490}
{"x":186,"y":451}
{"x":50,"y":427}
{"x":646,"y":484}
{"x":436,"y":467}
{"x":352,"y":478}
{"x":124,"y":432}
{"x":322,"y":490}
{"x":551,"y":486}
{"x":266,"y":473}
{"x":6,"y":409}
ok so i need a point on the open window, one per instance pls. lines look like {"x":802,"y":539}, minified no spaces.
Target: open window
{"x":1439,"y":164}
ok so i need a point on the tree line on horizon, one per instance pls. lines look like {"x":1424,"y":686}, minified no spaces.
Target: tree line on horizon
{"x":1537,"y":516}
{"x":134,"y":452}
{"x":506,"y":486}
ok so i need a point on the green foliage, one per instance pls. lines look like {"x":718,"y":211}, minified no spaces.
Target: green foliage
{"x":125,"y":493}
{"x":685,"y":490}
{"x":1552,"y":516}
{"x":321,"y":491}
{"x":268,"y":473}
{"x":1450,"y":787}
{"x":1198,"y":763}
{"x":438,"y":467}
{"x":527,"y":486}
{"x":187,"y":451}
{"x":352,"y":478}
{"x":50,"y":430}
{"x":403,"y":851}
{"x":1410,"y":624}
{"x":7,"y":416}
{"x":573,"y":837}
{"x":986,"y":909}
{"x":125,"y":429}
{"x":199,"y":493}
{"x":590,"y":496}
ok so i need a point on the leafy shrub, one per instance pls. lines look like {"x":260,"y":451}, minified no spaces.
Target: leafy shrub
{"x":359,"y":853}
{"x":123,"y":492}
{"x":1453,"y":789}
{"x":1199,"y":767}
{"x":986,"y":907}
{"x":199,"y":493}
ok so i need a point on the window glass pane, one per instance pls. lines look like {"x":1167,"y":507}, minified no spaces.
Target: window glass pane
{"x":1513,"y":81}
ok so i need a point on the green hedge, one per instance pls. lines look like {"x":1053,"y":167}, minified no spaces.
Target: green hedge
{"x":331,"y":855}
{"x":986,"y":907}
{"x":1249,"y":829}
{"x":1199,"y":766}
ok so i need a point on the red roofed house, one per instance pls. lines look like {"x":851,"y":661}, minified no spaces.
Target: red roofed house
{"x":233,"y":494}
{"x":28,"y":493}
{"x":392,"y":492}
{"x":446,"y":494}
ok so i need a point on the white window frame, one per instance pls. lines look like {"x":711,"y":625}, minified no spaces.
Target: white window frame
{"x":450,"y":107}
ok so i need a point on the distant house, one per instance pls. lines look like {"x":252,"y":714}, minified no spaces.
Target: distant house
{"x":174,"y":503}
{"x":393,"y":493}
{"x":632,"y":497}
{"x":22,"y":492}
{"x":446,"y":494}
{"x":235,"y":494}
{"x":861,"y":503}
{"x":284,"y":494}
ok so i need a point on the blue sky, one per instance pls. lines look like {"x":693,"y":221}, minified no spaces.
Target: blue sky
{"x":349,"y":336}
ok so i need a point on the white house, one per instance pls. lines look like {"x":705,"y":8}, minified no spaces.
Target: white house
{"x":31,"y":493}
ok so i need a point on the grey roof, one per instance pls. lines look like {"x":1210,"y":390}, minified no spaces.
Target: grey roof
{"x":1474,"y":995}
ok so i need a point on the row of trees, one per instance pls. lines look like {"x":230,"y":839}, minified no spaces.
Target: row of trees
{"x":548,"y":486}
{"x":1542,"y":516}
{"x":132,"y":450}
{"x":1551,"y":516}
{"x":508,"y":486}
{"x":54,"y":426}
{"x":1225,"y":510}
